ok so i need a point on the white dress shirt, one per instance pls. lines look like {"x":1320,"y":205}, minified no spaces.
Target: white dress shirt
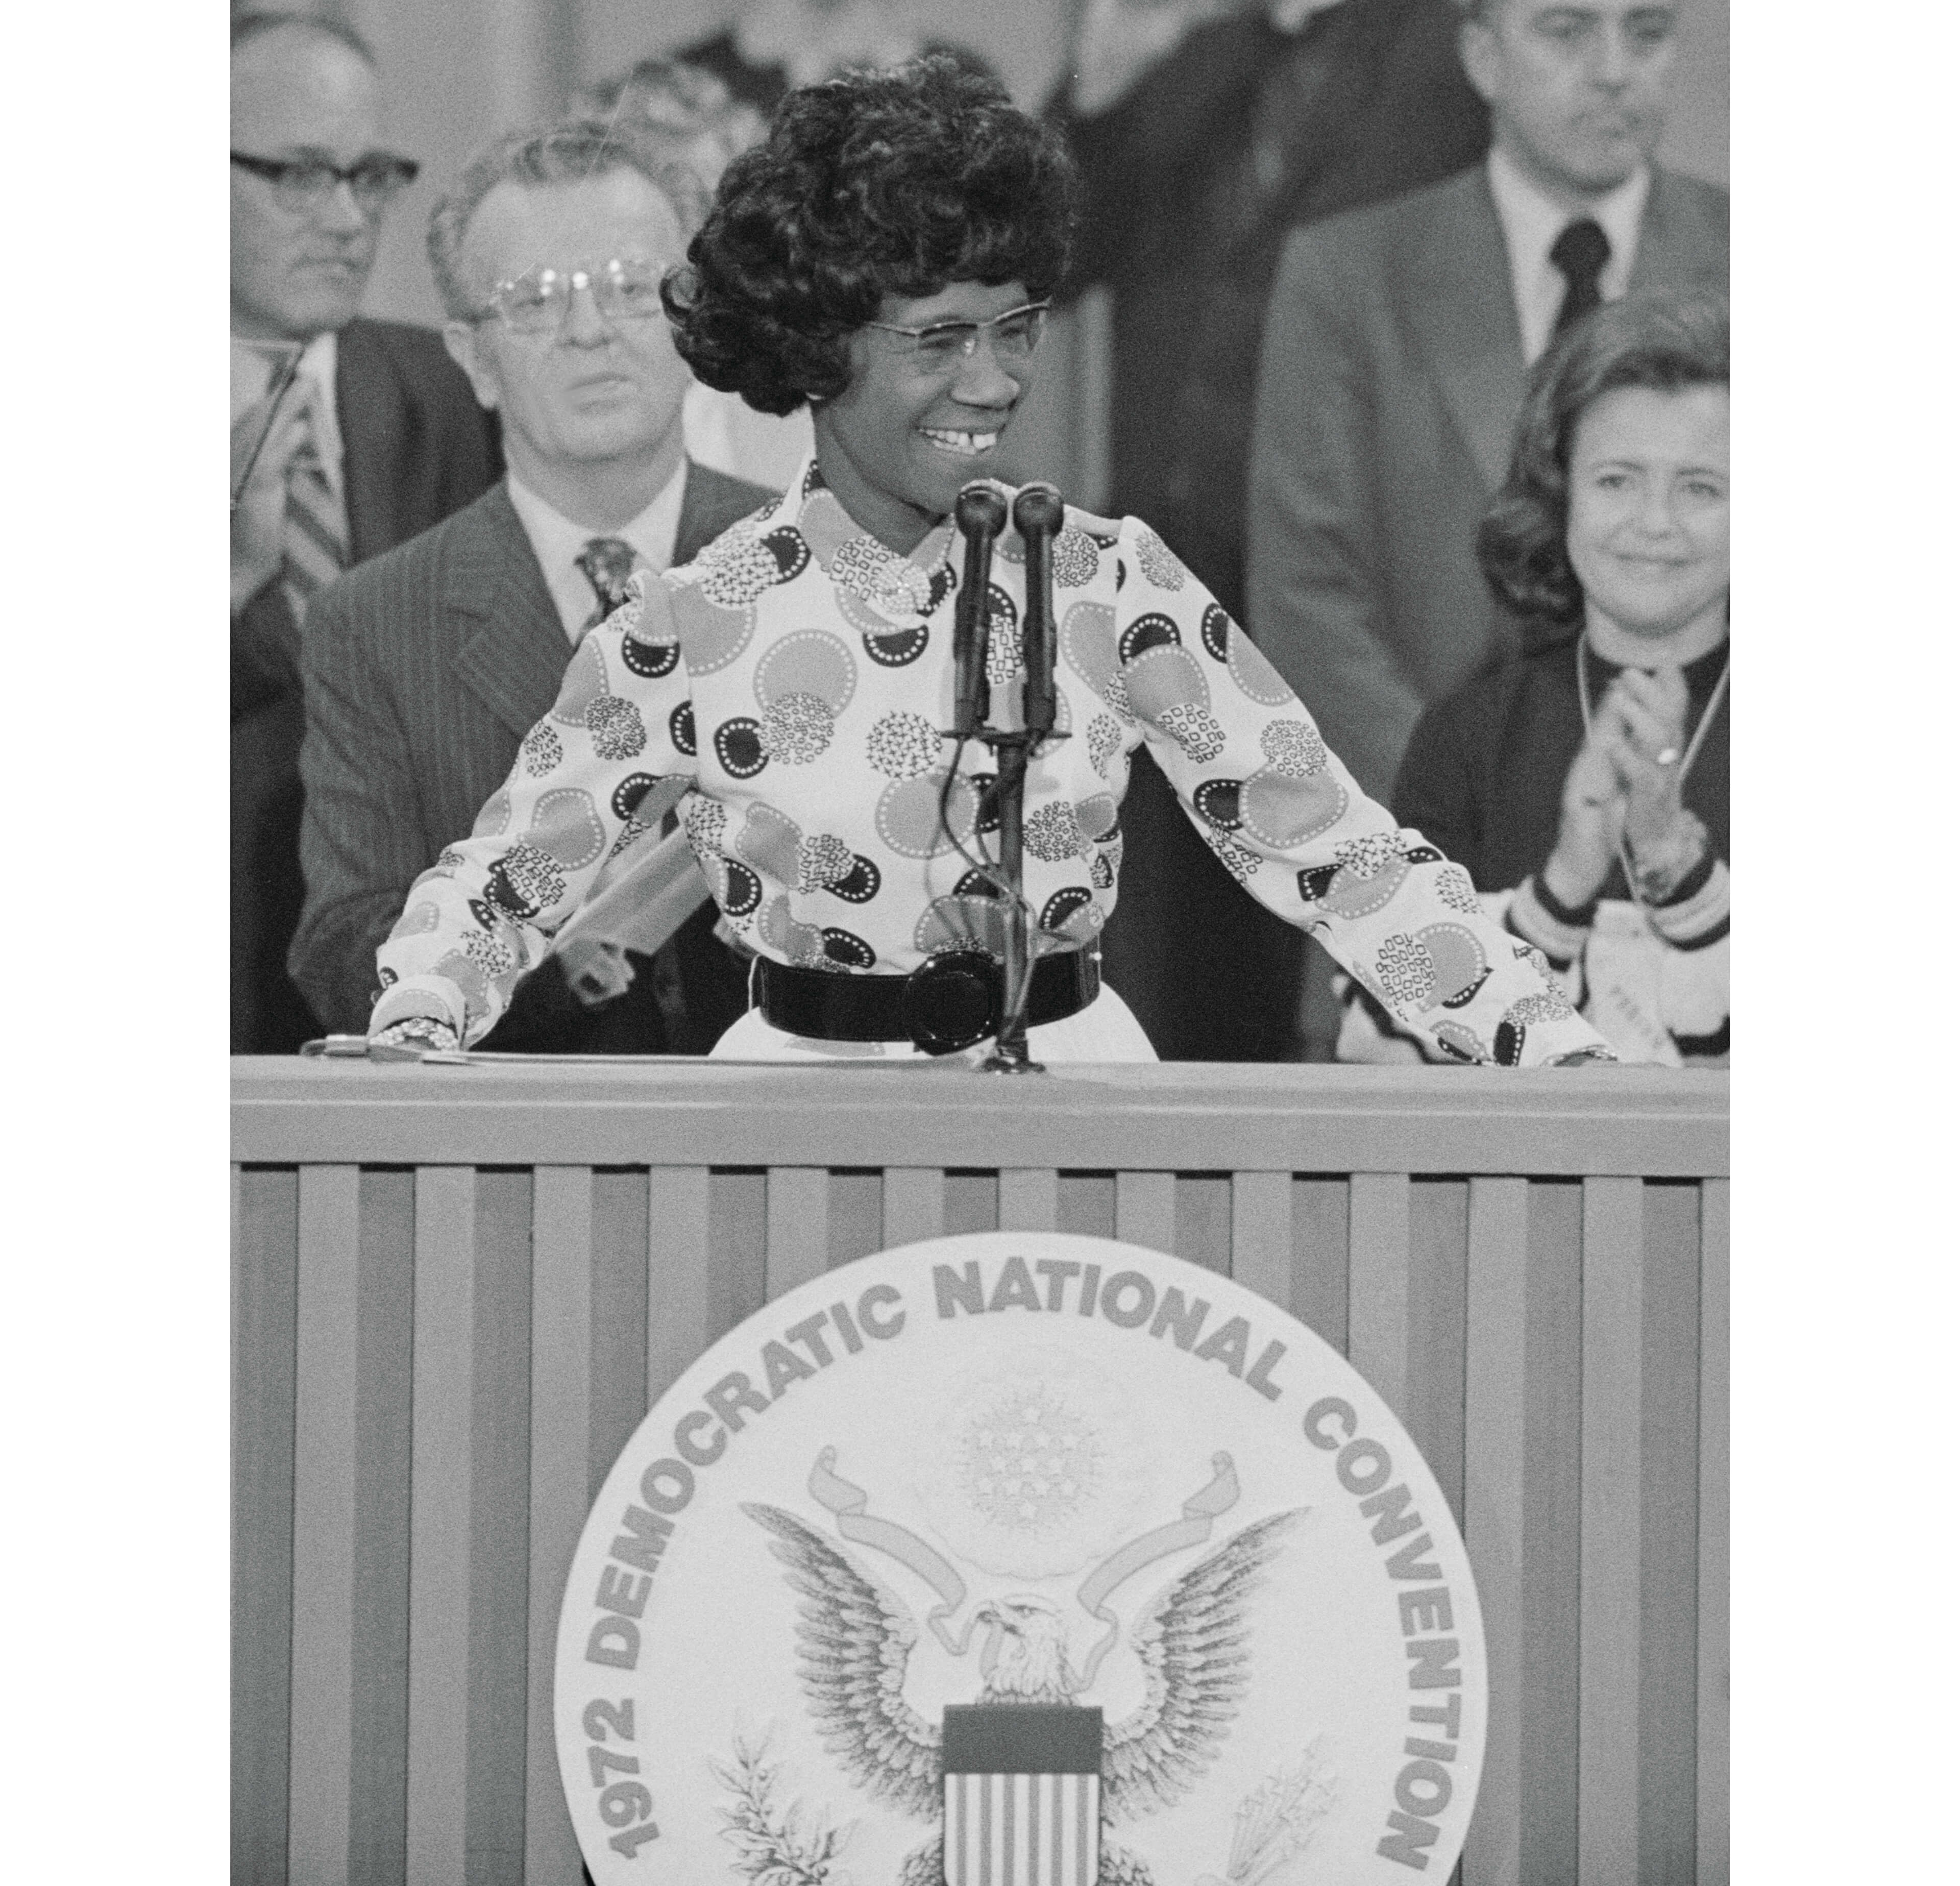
{"x":557,"y":541}
{"x":1532,"y":221}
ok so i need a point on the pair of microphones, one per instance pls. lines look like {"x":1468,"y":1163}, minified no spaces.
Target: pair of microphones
{"x":982,"y":514}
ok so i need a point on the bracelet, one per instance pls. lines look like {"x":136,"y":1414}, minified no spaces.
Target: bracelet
{"x":430,"y":1030}
{"x":1659,"y":875}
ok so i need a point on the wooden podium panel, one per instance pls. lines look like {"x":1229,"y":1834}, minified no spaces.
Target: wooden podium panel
{"x":456,"y":1290}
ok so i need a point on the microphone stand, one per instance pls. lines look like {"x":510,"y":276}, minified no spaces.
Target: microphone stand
{"x":1037,"y":518}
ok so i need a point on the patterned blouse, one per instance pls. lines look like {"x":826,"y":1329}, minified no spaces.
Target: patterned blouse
{"x":791,"y":683}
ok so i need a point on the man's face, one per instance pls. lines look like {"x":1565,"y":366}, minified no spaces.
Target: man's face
{"x":299,"y":272}
{"x":596,"y":387}
{"x":1577,"y":88}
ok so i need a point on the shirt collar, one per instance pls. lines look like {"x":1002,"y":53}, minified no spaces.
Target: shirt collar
{"x":818,"y":515}
{"x":556,"y":542}
{"x":1531,"y":220}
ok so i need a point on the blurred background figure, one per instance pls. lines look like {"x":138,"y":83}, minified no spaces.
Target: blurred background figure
{"x":669,"y":99}
{"x":1397,"y":347}
{"x":1584,"y":783}
{"x":771,"y":45}
{"x":1206,"y":130}
{"x":685,"y":114}
{"x":427,"y":668}
{"x":376,"y":438}
{"x":1394,"y":358}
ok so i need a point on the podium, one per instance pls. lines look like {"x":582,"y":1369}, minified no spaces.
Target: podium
{"x":456,"y":1290}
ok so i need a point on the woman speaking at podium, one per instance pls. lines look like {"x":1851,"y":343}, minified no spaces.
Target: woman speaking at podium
{"x":886,"y":256}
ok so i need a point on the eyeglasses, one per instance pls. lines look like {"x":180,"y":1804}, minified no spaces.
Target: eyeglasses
{"x":538,"y":301}
{"x":305,"y":183}
{"x":941,"y":347}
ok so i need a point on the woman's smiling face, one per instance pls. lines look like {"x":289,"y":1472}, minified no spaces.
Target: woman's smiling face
{"x":1647,"y":530}
{"x":897,"y":444}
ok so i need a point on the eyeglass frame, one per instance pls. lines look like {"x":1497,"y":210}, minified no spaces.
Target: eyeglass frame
{"x":575,"y":278}
{"x":974,"y":328}
{"x":279,"y":171}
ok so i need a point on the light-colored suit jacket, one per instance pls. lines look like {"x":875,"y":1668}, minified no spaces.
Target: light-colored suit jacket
{"x":1391,"y":377}
{"x":424,"y":669}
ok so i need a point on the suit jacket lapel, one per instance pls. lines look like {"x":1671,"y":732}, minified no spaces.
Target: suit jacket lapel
{"x":372,"y":406}
{"x":513,"y":651}
{"x":1672,"y":253}
{"x":1465,"y":320}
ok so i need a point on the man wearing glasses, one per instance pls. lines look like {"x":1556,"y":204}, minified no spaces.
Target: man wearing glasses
{"x":374,"y":438}
{"x":427,"y":668}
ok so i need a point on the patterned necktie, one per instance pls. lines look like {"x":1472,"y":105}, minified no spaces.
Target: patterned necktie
{"x":607,"y":562}
{"x":314,"y":535}
{"x":1580,"y":255}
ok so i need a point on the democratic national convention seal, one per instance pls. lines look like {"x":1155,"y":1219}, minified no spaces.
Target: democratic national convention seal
{"x":1020,"y":1560}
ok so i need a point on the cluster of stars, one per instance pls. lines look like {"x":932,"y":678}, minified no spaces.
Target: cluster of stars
{"x":1028,"y":1462}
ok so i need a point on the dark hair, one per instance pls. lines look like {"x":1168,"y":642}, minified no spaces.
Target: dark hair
{"x":1669,"y":341}
{"x":892,"y":183}
{"x":247,"y":26}
{"x":567,"y":153}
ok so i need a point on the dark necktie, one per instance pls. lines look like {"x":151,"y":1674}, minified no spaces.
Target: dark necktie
{"x":1580,"y":255}
{"x":607,"y":562}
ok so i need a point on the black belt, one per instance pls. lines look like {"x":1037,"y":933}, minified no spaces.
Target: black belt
{"x":949,"y":1002}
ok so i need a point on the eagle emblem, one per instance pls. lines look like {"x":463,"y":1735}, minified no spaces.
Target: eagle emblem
{"x":1030,"y":1767}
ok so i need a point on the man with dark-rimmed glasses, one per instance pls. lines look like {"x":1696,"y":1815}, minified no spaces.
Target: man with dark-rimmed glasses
{"x":376,"y":438}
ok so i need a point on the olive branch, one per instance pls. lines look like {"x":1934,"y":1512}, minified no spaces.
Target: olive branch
{"x":794,"y":1846}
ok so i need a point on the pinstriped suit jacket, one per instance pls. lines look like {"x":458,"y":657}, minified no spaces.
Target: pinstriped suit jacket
{"x":423,"y":670}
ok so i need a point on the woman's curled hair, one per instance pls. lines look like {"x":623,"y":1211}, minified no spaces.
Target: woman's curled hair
{"x":876,"y":183}
{"x":1668,"y":341}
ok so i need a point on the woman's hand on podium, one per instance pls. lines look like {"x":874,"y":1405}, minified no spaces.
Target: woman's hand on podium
{"x":418,"y":1033}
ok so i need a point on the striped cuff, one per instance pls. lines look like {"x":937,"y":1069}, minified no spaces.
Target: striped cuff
{"x":1542,"y":920}
{"x":1697,"y":914}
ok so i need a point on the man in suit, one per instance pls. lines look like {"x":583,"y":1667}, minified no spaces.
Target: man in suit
{"x":1396,"y":350}
{"x":1203,"y":141}
{"x":426,"y":669}
{"x":377,"y":439}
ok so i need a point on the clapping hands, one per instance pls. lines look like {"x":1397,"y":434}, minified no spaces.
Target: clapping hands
{"x":1625,"y":783}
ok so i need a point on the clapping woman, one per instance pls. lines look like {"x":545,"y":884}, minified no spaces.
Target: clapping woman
{"x":886,"y":258}
{"x":1586,"y":785}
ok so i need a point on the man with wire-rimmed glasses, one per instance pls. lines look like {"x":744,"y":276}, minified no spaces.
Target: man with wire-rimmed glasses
{"x":426,"y":669}
{"x":348,"y":436}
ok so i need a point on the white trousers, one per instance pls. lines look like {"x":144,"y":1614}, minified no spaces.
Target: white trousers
{"x":1104,"y":1031}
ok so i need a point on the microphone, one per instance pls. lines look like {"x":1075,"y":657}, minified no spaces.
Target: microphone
{"x":1037,"y":517}
{"x":981,"y":513}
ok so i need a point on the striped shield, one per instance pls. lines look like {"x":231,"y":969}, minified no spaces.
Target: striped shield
{"x":1023,"y":1795}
